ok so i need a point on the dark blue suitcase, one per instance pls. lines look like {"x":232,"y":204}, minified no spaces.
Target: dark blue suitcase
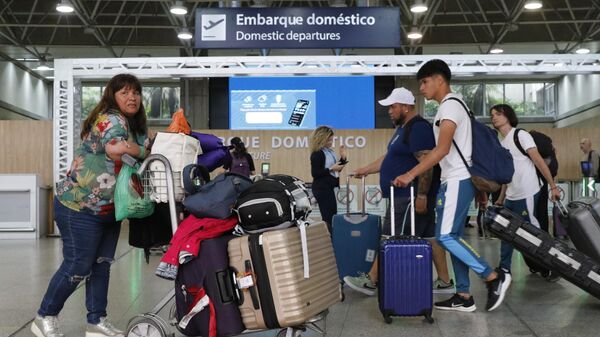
{"x":405,"y":273}
{"x":355,"y":239}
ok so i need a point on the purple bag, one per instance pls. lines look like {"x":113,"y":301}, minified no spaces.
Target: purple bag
{"x":215,"y":158}
{"x":559,"y":230}
{"x":208,"y":142}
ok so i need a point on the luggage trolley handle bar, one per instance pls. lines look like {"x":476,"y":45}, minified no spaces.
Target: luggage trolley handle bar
{"x":561,"y":206}
{"x":393,"y":213}
{"x":170,"y":188}
{"x":364,"y":194}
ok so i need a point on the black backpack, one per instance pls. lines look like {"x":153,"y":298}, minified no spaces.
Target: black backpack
{"x":543,"y":143}
{"x":275,"y":202}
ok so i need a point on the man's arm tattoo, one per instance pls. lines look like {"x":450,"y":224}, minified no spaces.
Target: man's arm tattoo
{"x":426,"y":177}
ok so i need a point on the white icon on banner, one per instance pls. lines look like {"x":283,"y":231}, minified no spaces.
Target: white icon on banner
{"x":248,"y":99}
{"x":214,"y":27}
{"x":262,"y":98}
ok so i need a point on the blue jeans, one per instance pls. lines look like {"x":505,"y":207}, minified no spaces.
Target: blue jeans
{"x":526,"y":209}
{"x":454,"y":198}
{"x":89,"y":244}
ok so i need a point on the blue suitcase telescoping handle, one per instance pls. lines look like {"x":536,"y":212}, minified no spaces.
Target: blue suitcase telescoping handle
{"x":364,"y":194}
{"x":412,"y":210}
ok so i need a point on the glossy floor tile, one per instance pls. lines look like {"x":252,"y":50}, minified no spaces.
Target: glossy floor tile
{"x":533,"y":307}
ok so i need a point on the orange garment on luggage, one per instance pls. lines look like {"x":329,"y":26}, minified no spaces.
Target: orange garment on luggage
{"x":179,"y":124}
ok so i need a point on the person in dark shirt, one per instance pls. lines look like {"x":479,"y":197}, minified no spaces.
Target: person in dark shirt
{"x":241,"y":161}
{"x":325,"y":169}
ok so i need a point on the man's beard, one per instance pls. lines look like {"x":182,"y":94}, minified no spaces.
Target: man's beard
{"x":399,"y":121}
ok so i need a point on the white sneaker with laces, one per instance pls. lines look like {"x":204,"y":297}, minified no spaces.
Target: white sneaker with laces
{"x":46,"y":326}
{"x":103,"y":329}
{"x":361,"y":283}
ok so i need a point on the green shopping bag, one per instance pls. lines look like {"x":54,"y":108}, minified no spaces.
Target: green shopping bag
{"x":129,"y":195}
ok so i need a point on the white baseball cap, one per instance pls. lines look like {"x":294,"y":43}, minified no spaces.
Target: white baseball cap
{"x":399,"y":95}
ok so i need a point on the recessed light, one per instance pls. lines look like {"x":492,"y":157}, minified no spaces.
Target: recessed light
{"x":185,"y":34}
{"x":43,"y":66}
{"x":533,"y":4}
{"x":496,"y":51}
{"x":418,"y":7}
{"x":582,"y":51}
{"x":65,"y":6}
{"x":414,"y":34}
{"x":178,"y":8}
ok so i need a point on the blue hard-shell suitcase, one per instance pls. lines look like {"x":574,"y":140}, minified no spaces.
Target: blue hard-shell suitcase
{"x":405,"y":273}
{"x":355,"y":238}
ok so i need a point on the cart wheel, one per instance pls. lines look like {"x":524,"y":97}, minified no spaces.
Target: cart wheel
{"x":283,"y":333}
{"x":386,"y":318}
{"x":146,"y":327}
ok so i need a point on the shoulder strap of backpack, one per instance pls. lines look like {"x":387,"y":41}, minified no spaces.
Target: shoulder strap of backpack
{"x":470,"y":114}
{"x":408,"y":127}
{"x":518,"y":143}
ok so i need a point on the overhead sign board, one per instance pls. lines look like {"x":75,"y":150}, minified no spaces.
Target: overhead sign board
{"x":299,"y":27}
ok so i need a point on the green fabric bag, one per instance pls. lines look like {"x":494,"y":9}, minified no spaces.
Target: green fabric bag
{"x":129,"y":195}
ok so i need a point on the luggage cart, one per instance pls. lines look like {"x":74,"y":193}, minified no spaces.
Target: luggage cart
{"x":158,"y":186}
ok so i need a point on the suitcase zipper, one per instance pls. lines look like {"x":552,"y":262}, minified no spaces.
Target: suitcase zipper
{"x":262,"y":281}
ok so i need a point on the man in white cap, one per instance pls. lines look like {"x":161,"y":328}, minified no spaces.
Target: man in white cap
{"x":410,"y":143}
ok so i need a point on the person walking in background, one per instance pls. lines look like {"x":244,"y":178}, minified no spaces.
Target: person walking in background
{"x":84,"y":207}
{"x":325,"y":169}
{"x":241,"y":161}
{"x":411,"y":142}
{"x":452,"y":125}
{"x":521,"y":194}
{"x":591,"y":156}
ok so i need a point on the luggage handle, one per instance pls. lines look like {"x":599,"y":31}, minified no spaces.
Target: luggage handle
{"x":561,"y":208}
{"x":364,"y":194}
{"x":412,"y":209}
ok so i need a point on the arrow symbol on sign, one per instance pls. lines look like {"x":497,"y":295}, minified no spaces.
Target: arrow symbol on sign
{"x":591,"y":185}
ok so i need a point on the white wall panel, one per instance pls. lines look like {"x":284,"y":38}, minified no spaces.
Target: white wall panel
{"x":24,"y":91}
{"x":576,"y":91}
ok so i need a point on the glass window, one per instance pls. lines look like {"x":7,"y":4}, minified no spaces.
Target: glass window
{"x":514,"y":96}
{"x":430,"y":108}
{"x":549,"y":99}
{"x":472,"y":94}
{"x":160,"y":102}
{"x":494,"y":94}
{"x":534,"y":99}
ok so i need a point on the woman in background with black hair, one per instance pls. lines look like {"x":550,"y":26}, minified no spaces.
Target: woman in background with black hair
{"x":241,"y":161}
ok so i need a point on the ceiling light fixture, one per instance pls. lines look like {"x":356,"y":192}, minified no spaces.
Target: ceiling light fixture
{"x":43,"y":66}
{"x":418,"y":7}
{"x":533,"y":4}
{"x":178,"y":8}
{"x":582,"y":50}
{"x":185,"y":34}
{"x":414,"y":34}
{"x":496,"y":51}
{"x":65,"y":6}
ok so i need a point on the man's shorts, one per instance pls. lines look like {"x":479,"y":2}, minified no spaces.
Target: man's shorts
{"x":424,"y":223}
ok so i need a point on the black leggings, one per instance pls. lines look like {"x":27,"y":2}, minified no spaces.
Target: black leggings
{"x":327,"y":204}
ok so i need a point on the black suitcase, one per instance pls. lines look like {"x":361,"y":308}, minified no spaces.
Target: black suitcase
{"x":209,"y":271}
{"x":572,"y":265}
{"x":582,"y":222}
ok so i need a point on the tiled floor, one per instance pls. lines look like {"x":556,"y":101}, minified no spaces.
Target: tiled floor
{"x":533,"y":307}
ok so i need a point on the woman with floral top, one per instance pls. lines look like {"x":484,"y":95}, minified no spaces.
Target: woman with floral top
{"x":84,"y":208}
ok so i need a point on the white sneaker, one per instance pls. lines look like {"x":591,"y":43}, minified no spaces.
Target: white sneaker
{"x":46,"y":326}
{"x":361,"y":283}
{"x":103,"y":329}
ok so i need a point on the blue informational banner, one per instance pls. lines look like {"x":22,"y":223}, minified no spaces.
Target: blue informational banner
{"x":298,"y":27}
{"x":301,"y":103}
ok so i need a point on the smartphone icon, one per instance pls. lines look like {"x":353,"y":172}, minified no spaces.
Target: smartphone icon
{"x":299,"y":112}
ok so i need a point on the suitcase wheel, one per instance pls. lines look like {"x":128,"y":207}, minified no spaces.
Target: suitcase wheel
{"x":387,"y":319}
{"x":147,"y":325}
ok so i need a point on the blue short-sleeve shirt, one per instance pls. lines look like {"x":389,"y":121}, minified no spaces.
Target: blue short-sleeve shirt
{"x":400,"y":157}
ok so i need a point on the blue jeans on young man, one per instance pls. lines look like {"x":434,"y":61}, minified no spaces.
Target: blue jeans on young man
{"x":526,"y":209}
{"x":89,"y":244}
{"x":452,"y":206}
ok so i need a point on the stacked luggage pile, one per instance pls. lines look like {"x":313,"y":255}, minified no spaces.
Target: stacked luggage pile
{"x":245,"y":257}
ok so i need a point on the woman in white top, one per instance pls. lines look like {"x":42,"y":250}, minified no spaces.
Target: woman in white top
{"x":521,"y":194}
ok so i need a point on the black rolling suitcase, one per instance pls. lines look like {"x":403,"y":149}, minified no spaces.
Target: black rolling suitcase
{"x":582,"y":222}
{"x":209,"y":275}
{"x":572,"y":265}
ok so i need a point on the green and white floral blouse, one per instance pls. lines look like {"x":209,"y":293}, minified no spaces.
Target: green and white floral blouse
{"x":90,"y":182}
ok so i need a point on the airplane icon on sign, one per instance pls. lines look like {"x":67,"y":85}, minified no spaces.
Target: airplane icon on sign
{"x":212,"y":24}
